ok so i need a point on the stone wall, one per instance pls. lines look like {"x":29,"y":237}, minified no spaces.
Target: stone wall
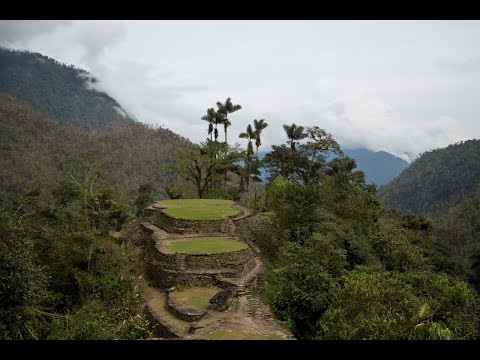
{"x":216,"y":261}
{"x":181,"y":226}
{"x":182,"y":312}
{"x":164,"y":278}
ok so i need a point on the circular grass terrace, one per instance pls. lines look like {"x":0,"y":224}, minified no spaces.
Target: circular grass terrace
{"x":205,"y":245}
{"x":199,"y":209}
{"x":195,"y":297}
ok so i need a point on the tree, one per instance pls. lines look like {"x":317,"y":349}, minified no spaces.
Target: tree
{"x":224,"y":109}
{"x":250,"y":136}
{"x":305,"y":163}
{"x":204,"y":165}
{"x":259,"y":126}
{"x":22,"y":282}
{"x":145,"y":197}
{"x":294,"y":133}
{"x":210,"y":117}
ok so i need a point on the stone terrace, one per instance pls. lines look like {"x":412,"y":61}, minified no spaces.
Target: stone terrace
{"x":235,"y":277}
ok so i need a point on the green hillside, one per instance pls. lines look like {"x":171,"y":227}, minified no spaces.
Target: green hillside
{"x":37,"y":152}
{"x":61,"y":92}
{"x":436,"y":181}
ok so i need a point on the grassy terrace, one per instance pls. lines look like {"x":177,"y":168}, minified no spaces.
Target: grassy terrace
{"x":196,"y":297}
{"x":200,"y":209}
{"x":206,"y":245}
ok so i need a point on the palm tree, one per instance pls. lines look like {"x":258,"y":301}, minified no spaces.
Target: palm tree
{"x":227,"y":108}
{"x":210,"y":117}
{"x":294,"y":133}
{"x":259,"y":126}
{"x":224,"y":109}
{"x":249,"y":135}
{"x":226,"y":124}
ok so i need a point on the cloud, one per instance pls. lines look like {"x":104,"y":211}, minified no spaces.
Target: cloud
{"x":96,"y":37}
{"x":13,"y":31}
{"x":373,"y":123}
{"x":402,"y":87}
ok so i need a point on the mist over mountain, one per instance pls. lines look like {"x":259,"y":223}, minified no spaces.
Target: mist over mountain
{"x":62,"y":92}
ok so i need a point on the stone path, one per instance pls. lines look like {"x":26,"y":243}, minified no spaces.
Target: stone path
{"x":245,"y":314}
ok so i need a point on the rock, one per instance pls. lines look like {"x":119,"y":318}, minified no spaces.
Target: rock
{"x":194,"y":327}
{"x":222,"y":300}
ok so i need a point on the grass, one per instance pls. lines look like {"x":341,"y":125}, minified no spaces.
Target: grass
{"x":233,"y":335}
{"x":200,"y":209}
{"x":206,"y":245}
{"x":196,"y":297}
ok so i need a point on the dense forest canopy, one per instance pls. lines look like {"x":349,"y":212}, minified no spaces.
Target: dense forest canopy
{"x":61,"y":92}
{"x":37,"y":150}
{"x":436,"y":180}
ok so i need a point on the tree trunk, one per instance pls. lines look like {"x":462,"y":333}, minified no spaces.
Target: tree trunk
{"x":225,"y":178}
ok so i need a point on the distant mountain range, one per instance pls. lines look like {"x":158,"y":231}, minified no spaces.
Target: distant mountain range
{"x":379,"y":167}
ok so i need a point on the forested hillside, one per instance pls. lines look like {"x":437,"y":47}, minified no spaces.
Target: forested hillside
{"x":436,"y":181}
{"x":37,"y":151}
{"x":459,"y":231}
{"x":61,"y":92}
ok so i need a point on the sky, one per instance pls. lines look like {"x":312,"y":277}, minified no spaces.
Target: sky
{"x":405,"y":87}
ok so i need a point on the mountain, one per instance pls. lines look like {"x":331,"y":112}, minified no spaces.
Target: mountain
{"x":379,"y":167}
{"x":37,"y":152}
{"x":52,"y":124}
{"x":62,"y":92}
{"x":436,"y":181}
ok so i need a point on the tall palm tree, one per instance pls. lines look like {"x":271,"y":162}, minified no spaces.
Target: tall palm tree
{"x":210,"y":117}
{"x":295,"y":133}
{"x":226,"y":108}
{"x":259,"y":126}
{"x":249,"y":135}
{"x":226,"y":124}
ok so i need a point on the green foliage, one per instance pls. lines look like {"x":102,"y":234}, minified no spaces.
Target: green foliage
{"x":145,"y":197}
{"x":33,"y":144}
{"x":259,"y":230}
{"x":59,"y":263}
{"x":390,"y":303}
{"x":205,"y":165}
{"x":22,"y":282}
{"x":430,"y":330}
{"x":173,"y":192}
{"x":60,"y":91}
{"x":302,"y":163}
{"x":445,"y":176}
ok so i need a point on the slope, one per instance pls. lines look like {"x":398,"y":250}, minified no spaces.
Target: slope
{"x":436,"y":181}
{"x":61,"y":92}
{"x":37,"y":152}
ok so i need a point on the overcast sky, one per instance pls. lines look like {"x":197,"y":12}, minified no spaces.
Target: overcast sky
{"x":400,"y":86}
